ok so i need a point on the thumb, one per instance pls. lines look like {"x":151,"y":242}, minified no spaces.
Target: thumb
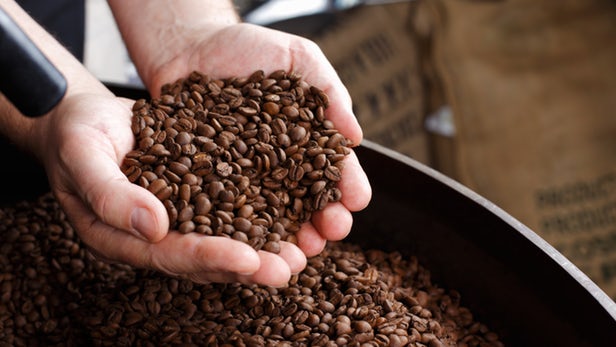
{"x":126,"y":206}
{"x":115,"y":200}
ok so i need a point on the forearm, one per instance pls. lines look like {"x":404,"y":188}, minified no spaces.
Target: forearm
{"x":13,"y":124}
{"x":154,"y":30}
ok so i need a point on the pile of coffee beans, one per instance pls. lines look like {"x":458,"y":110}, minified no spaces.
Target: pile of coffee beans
{"x":247,"y":158}
{"x":54,"y":293}
{"x":44,"y":272}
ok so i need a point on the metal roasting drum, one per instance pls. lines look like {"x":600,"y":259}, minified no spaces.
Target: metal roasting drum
{"x":510,"y":278}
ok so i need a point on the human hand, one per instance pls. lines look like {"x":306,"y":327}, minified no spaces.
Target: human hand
{"x":81,"y":145}
{"x":205,"y":35}
{"x":239,"y":50}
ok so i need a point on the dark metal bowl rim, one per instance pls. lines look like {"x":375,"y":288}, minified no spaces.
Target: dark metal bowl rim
{"x":530,"y":235}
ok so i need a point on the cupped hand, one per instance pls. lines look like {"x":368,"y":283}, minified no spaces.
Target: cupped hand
{"x":239,"y":50}
{"x":82,"y":144}
{"x":87,"y":136}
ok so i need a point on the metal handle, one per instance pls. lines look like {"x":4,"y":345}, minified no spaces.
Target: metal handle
{"x":27,"y":78}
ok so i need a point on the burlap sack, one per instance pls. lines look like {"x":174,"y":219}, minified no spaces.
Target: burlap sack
{"x":532,"y":86}
{"x":372,"y":50}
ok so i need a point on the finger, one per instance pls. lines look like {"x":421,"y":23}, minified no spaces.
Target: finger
{"x":218,"y":277}
{"x":128,"y":207}
{"x":190,"y":253}
{"x":339,"y":110}
{"x":122,"y":204}
{"x":354,"y":185}
{"x":176,"y":254}
{"x":293,"y":256}
{"x":289,"y":253}
{"x":274,"y":271}
{"x":97,"y":179}
{"x":334,"y":222}
{"x":309,"y":240}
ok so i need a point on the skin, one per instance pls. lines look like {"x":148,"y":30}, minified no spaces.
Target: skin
{"x":85,"y":138}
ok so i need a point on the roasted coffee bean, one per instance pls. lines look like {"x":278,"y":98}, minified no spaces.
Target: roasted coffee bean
{"x":256,"y":131}
{"x":317,"y":187}
{"x":186,"y":227}
{"x":332,"y":173}
{"x":297,"y":133}
{"x":272,"y":246}
{"x":242,"y":224}
{"x":214,"y":189}
{"x":223,"y":169}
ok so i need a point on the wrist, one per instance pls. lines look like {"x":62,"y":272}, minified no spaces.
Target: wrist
{"x":165,"y":29}
{"x":179,"y":57}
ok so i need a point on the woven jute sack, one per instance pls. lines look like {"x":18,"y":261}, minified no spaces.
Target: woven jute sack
{"x":375,"y":55}
{"x":532,"y":88}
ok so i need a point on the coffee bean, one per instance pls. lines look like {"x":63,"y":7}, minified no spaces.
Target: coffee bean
{"x":242,"y":224}
{"x":272,"y":246}
{"x":215,"y":188}
{"x":223,"y":169}
{"x":297,"y":133}
{"x":317,"y":187}
{"x":186,"y":227}
{"x":332,"y":173}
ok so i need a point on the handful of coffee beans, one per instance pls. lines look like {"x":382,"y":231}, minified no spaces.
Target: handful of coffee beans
{"x":247,"y":158}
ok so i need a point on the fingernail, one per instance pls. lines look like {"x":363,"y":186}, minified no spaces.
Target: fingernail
{"x":142,"y":222}
{"x":246,"y":273}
